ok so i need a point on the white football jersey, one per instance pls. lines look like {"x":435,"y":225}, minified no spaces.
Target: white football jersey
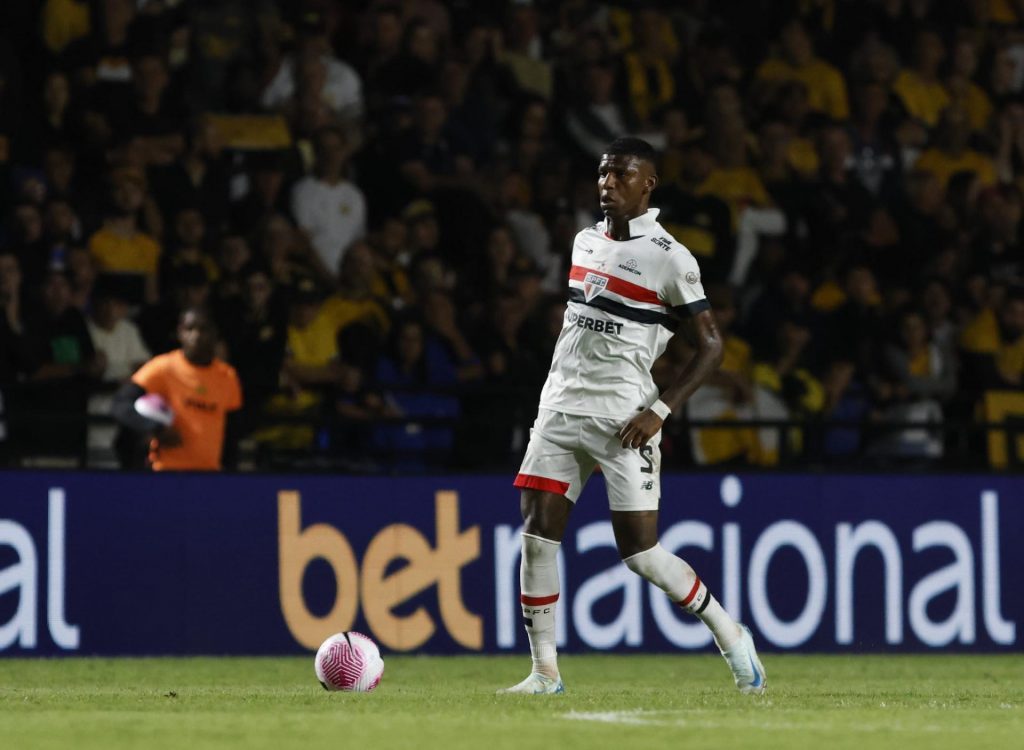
{"x":625,"y":299}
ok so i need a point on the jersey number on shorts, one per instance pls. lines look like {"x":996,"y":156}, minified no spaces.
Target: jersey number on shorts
{"x":646,"y":451}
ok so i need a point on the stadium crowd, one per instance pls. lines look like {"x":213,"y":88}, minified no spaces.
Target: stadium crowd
{"x":377,"y":201}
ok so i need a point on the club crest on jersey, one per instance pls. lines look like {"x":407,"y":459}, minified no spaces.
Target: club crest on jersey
{"x":593,"y":285}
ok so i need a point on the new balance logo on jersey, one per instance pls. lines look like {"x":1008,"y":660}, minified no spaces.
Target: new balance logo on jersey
{"x":593,"y":324}
{"x":593,"y":285}
{"x":663,"y":242}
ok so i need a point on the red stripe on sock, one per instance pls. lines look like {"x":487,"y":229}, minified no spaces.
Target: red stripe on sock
{"x":693,"y":592}
{"x":537,"y":601}
{"x":532,"y":482}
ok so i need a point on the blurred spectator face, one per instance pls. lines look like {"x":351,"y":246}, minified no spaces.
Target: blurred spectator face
{"x":258,"y":289}
{"x":56,"y":293}
{"x":697,"y":164}
{"x":723,"y":104}
{"x":410,"y":343}
{"x":861,"y":287}
{"x":835,"y":149}
{"x":872,"y":101}
{"x":936,"y":301}
{"x":774,"y":140}
{"x":1004,"y":71}
{"x":357,"y":266}
{"x":332,"y":151}
{"x":600,"y":81}
{"x":56,"y":92}
{"x":929,"y":52}
{"x":60,"y":220}
{"x":796,"y":45}
{"x":387,"y":32}
{"x":190,"y":227}
{"x":501,"y":250}
{"x":391,"y":240}
{"x":304,"y":311}
{"x":193,"y":294}
{"x":795,"y":286}
{"x":234,"y":253}
{"x":28,"y":223}
{"x":535,"y":121}
{"x":109,"y":311}
{"x":965,"y":58}
{"x":422,"y":45}
{"x":1011,"y":317}
{"x":431,"y":276}
{"x":118,"y":14}
{"x":430,"y":116}
{"x":10,"y":276}
{"x":277,"y":238}
{"x":925,"y":192}
{"x":876,"y":61}
{"x":676,"y":127}
{"x":149,"y":75}
{"x":82,"y":267}
{"x":128,"y":196}
{"x":59,"y":166}
{"x":913,"y":331}
{"x":207,"y":140}
{"x":425,"y":233}
{"x":956,"y":128}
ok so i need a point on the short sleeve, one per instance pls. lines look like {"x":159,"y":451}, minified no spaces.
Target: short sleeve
{"x":150,"y":377}
{"x":681,"y":287}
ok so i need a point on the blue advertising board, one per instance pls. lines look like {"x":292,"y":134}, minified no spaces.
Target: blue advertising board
{"x":259,"y":564}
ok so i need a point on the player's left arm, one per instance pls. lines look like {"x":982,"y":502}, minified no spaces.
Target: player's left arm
{"x":703,"y":332}
{"x":684,"y":293}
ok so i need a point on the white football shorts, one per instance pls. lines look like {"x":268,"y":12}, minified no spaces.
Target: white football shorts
{"x":565,"y":448}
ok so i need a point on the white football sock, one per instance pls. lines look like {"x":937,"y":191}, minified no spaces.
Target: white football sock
{"x":677,"y":579}
{"x":538,"y":583}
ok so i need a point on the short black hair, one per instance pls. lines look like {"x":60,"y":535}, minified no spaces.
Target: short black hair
{"x":632,"y":147}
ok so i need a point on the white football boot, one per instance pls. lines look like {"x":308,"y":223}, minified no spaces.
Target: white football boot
{"x":535,"y":684}
{"x":745,"y":665}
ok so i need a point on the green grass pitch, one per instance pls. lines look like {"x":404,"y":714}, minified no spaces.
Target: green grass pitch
{"x":613,"y":701}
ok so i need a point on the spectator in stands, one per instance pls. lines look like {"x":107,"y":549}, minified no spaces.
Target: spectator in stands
{"x":199,"y":176}
{"x":256,"y":330}
{"x":919,"y":87}
{"x":187,"y":246}
{"x":415,"y":367}
{"x":188,"y":287}
{"x":992,"y":347}
{"x":112,"y":332}
{"x":335,"y":83}
{"x":826,"y":88}
{"x":201,"y":391}
{"x":328,"y":207}
{"x":952,"y":152}
{"x":915,"y":379}
{"x":120,"y":246}
{"x":65,"y":366}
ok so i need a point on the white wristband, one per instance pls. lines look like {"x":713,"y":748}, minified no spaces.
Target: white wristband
{"x":660,"y":408}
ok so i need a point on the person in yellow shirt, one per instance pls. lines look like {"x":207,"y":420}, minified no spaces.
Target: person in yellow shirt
{"x":992,"y":346}
{"x":952,"y":152}
{"x":826,"y":87}
{"x":119,"y":246}
{"x":919,"y":88}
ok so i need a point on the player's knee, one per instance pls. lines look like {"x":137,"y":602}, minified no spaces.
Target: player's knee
{"x":647,"y":564}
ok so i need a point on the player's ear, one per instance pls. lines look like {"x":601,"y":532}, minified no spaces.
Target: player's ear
{"x":651,"y":183}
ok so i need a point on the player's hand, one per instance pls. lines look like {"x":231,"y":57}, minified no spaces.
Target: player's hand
{"x":168,"y":437}
{"x":640,"y":429}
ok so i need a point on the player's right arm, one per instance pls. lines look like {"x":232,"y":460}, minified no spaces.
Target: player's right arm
{"x":145,"y":380}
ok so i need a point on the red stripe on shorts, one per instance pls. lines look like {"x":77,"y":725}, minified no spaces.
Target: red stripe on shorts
{"x":531,"y":482}
{"x":538,"y":601}
{"x":693,"y":593}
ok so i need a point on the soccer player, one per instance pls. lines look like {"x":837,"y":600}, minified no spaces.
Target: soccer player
{"x":200,"y":389}
{"x":630,"y":286}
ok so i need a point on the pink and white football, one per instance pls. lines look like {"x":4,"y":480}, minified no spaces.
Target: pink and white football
{"x":154,"y":406}
{"x":349,"y":661}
